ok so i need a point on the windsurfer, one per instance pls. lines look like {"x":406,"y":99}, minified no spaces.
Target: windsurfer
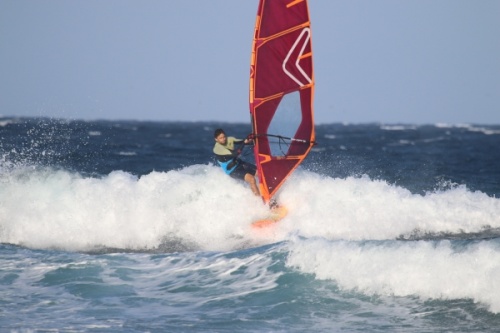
{"x":227,"y":157}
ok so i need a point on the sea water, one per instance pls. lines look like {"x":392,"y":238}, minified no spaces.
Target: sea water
{"x":127,"y":226}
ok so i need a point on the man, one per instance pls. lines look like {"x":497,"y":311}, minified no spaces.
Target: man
{"x":229,"y":161}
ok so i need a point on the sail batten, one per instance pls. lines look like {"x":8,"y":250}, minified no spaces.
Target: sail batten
{"x":281,"y":91}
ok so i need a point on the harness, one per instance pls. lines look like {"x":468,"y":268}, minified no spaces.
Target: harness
{"x":229,"y":166}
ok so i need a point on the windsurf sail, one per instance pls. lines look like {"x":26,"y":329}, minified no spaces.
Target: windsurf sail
{"x":281,"y":91}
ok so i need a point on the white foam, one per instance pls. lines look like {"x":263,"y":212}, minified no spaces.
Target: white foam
{"x":203,"y":207}
{"x":197,"y":204}
{"x":361,"y":208}
{"x":484,"y":130}
{"x":397,"y":127}
{"x":239,"y":276}
{"x":428,"y":270}
{"x":5,"y":122}
{"x":471,"y":128}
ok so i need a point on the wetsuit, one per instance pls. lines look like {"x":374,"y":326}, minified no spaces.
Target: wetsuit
{"x":228,"y":159}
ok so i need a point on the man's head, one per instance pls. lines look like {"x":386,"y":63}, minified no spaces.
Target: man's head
{"x":220,"y":136}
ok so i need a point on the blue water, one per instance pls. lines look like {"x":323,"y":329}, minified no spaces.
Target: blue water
{"x":123,"y":226}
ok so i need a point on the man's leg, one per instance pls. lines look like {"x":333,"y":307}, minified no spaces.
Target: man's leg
{"x":250,"y":179}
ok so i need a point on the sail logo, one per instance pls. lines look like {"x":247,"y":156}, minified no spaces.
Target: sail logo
{"x":301,"y":42}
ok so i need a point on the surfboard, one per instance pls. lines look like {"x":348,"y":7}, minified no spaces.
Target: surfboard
{"x":281,"y":94}
{"x":275,"y":214}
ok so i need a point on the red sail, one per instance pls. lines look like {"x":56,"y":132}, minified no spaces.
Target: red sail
{"x":281,"y":91}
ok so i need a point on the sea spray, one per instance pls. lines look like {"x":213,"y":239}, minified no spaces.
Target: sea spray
{"x":58,"y":209}
{"x":200,"y":206}
{"x":357,"y":208}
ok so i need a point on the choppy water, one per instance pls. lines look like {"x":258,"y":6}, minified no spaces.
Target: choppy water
{"x":119,"y":226}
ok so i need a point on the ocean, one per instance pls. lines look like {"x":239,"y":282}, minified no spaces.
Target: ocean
{"x":128,"y":226}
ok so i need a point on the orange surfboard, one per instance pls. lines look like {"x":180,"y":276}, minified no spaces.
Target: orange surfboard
{"x":275,"y":214}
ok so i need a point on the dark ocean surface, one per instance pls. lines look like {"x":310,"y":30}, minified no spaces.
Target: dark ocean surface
{"x":128,"y":226}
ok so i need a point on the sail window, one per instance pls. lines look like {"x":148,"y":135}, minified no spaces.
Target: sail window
{"x":285,"y":123}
